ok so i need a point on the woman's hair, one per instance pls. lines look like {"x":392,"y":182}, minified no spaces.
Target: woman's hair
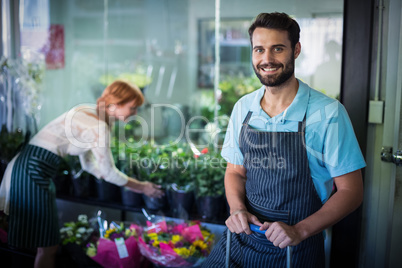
{"x":278,"y":21}
{"x":119,"y":93}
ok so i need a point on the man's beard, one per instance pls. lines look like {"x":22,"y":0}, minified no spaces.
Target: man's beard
{"x":276,"y":80}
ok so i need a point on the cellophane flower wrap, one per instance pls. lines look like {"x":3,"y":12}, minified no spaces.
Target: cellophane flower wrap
{"x":118,"y":247}
{"x":172,"y":244}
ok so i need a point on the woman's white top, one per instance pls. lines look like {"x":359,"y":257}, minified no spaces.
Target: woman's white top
{"x":77,"y":132}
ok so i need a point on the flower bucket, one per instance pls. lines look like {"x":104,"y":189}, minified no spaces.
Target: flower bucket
{"x":130,"y":198}
{"x":181,"y":201}
{"x":210,"y":207}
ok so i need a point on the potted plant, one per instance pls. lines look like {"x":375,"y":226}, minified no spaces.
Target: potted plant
{"x":208,"y":171}
{"x":82,"y":182}
{"x":152,"y":165}
{"x":180,"y":190}
{"x":128,"y":197}
{"x":75,"y":235}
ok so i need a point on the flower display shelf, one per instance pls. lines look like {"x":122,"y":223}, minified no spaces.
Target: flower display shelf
{"x":193,"y":215}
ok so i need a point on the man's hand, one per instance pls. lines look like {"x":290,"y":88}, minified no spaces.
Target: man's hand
{"x":281,"y":234}
{"x":238,"y":222}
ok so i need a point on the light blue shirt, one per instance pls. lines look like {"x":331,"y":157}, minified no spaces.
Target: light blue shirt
{"x":331,"y":144}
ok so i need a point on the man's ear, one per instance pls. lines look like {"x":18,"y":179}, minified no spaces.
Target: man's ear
{"x":297,"y":50}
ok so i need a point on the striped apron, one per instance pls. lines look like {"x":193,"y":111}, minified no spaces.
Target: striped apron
{"x":33,"y":219}
{"x":278,"y":188}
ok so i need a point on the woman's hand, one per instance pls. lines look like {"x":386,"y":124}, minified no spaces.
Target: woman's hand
{"x":152,"y":190}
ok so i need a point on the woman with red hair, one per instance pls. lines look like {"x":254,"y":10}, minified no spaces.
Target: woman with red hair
{"x":27,"y":192}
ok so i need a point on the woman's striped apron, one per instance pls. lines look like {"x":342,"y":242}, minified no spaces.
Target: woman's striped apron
{"x":278,"y":188}
{"x":33,"y":219}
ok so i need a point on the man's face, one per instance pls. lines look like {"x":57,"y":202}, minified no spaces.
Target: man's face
{"x":273,"y":57}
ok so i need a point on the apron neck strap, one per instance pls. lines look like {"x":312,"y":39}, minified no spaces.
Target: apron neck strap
{"x":245,"y":122}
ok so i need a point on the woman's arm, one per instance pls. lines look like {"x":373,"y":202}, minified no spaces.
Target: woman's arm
{"x":144,"y":187}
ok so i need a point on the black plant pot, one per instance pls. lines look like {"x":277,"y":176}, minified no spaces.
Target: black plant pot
{"x":155,"y":204}
{"x":83,"y":186}
{"x":131,"y":199}
{"x":62,"y":182}
{"x":107,"y":191}
{"x":3,"y":166}
{"x":210,"y":207}
{"x":180,"y":202}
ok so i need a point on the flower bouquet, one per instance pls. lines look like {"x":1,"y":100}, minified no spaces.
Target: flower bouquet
{"x":117,"y":248}
{"x":74,"y":236}
{"x":78,"y":232}
{"x":171,"y":244}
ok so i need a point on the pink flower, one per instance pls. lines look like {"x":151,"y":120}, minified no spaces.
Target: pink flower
{"x":178,"y":229}
{"x":157,"y":228}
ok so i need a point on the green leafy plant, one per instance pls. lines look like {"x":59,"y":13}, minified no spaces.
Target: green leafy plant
{"x":208,"y":171}
{"x":10,"y":143}
{"x":139,"y":78}
{"x":233,"y":88}
{"x":169,"y":164}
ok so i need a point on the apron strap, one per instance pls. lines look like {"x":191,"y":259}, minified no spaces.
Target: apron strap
{"x":248,"y":116}
{"x":302,"y":125}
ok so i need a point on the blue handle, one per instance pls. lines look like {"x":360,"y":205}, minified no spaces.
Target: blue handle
{"x":289,"y":264}
{"x":256,"y":229}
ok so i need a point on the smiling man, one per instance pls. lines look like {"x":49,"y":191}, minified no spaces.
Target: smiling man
{"x":287,"y":145}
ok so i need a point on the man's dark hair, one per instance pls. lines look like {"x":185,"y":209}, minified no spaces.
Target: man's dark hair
{"x":278,"y":21}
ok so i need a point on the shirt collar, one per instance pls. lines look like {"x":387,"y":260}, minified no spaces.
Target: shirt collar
{"x":296,"y":110}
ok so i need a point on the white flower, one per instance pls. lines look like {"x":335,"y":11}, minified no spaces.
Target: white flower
{"x":174,"y":154}
{"x":65,"y":229}
{"x":211,"y":128}
{"x":81,"y":230}
{"x":180,"y":150}
{"x":83,"y":218}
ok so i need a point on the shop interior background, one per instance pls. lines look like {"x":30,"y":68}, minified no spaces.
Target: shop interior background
{"x":80,"y":46}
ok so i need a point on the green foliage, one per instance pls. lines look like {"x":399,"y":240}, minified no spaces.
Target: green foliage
{"x":139,"y":78}
{"x":165,"y":164}
{"x":233,"y":88}
{"x":9,"y":143}
{"x":208,"y":171}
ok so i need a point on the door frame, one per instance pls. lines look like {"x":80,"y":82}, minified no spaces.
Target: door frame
{"x":355,"y":89}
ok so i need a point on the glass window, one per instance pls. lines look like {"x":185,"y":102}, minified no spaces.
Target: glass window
{"x":168,"y":49}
